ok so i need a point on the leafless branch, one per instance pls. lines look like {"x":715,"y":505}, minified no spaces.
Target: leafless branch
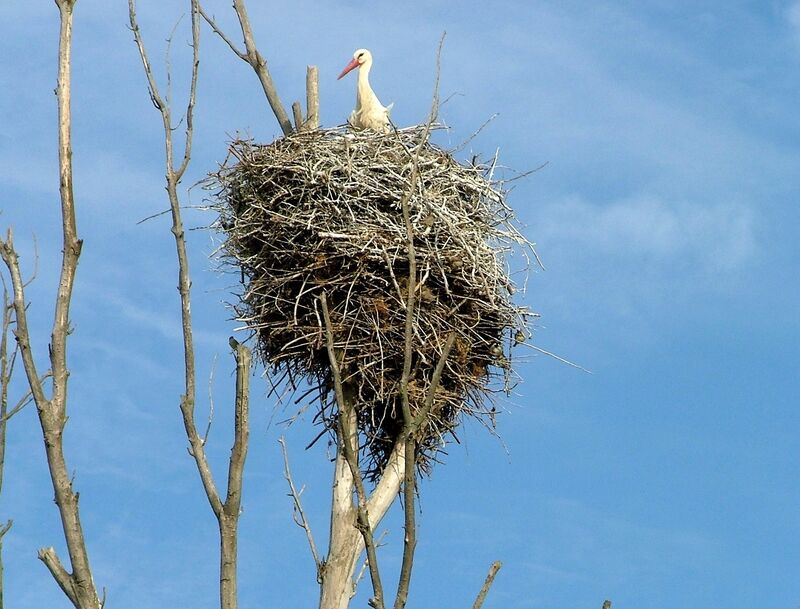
{"x":21,"y":403}
{"x":6,"y":371}
{"x":348,"y":440}
{"x":253,"y":57}
{"x":11,"y":260}
{"x":365,"y":564}
{"x":300,"y":515}
{"x":227,"y":513}
{"x":218,"y":31}
{"x":49,"y":557}
{"x":487,"y":584}
{"x":229,"y":520}
{"x":557,"y":357}
{"x":427,"y":406}
{"x":78,"y":585}
{"x":173,"y":176}
{"x":409,"y":480}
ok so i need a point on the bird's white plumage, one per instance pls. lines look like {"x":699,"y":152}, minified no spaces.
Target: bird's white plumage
{"x":369,"y":112}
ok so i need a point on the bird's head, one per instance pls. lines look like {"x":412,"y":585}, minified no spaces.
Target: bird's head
{"x":360,"y":58}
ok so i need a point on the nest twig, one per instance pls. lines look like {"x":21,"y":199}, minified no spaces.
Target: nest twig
{"x":319,"y":212}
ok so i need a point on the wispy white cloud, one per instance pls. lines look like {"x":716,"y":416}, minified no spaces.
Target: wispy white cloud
{"x":715,"y":238}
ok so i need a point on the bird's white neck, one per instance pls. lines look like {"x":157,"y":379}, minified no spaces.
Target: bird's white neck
{"x":365,"y":93}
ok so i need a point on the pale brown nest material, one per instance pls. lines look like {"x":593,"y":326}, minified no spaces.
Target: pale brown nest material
{"x":320,"y":212}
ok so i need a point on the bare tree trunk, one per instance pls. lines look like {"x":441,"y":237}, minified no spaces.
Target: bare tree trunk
{"x":346,"y":541}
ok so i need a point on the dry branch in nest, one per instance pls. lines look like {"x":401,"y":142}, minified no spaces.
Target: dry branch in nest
{"x":320,"y":212}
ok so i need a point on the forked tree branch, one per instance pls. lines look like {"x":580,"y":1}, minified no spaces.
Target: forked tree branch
{"x":173,"y":176}
{"x":49,"y":557}
{"x":227,"y":512}
{"x":229,"y":521}
{"x":78,"y":585}
{"x":252,"y":56}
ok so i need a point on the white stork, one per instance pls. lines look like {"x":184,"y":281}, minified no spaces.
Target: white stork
{"x":369,"y":112}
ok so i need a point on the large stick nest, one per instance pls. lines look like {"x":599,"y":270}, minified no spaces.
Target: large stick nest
{"x":321,"y":212}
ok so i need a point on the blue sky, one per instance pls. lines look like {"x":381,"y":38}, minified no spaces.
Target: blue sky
{"x":667,"y":219}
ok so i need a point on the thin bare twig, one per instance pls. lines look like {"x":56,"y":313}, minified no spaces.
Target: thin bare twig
{"x":210,"y":400}
{"x":26,"y":399}
{"x":427,"y":406}
{"x":300,"y":515}
{"x":557,"y":357}
{"x":6,"y":372}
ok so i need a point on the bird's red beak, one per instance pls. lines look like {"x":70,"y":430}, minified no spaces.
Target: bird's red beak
{"x":350,"y":66}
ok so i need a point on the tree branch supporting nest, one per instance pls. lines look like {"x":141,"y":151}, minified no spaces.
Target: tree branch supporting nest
{"x":256,"y":60}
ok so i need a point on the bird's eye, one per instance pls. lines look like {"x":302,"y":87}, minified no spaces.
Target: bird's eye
{"x":360,"y":55}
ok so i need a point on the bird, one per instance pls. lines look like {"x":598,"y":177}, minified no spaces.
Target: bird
{"x":369,"y":112}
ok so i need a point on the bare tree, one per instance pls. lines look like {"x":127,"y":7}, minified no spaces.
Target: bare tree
{"x":78,"y":585}
{"x":226,"y":511}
